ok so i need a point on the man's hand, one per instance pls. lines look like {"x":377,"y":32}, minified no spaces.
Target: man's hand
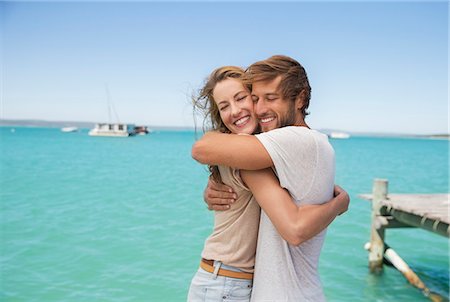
{"x":218,"y":197}
{"x":341,"y":198}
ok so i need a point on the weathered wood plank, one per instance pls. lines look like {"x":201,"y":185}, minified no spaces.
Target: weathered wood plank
{"x":430,"y":206}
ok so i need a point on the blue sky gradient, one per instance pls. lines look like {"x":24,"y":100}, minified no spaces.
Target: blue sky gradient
{"x":373,"y":66}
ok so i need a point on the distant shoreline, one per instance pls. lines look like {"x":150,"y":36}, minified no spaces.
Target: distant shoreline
{"x":89,"y":125}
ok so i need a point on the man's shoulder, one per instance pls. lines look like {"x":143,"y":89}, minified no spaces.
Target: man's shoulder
{"x":291,"y":132}
{"x":292,"y":139}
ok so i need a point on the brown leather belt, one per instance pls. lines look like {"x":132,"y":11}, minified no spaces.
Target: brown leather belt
{"x":208,"y":265}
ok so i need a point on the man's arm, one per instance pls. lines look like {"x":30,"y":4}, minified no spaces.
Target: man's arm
{"x":296,"y":224}
{"x":237,"y":151}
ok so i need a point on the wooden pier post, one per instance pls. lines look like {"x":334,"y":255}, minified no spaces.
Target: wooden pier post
{"x":426,"y":211}
{"x":379,"y":191}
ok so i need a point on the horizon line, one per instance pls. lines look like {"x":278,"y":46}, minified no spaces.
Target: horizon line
{"x":59,"y":123}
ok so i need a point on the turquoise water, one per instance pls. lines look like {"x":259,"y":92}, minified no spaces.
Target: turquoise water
{"x":122,"y":219}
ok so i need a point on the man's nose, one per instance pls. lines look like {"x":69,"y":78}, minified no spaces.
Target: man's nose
{"x":260,"y":108}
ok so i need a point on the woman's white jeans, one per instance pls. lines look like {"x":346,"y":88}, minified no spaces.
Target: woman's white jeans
{"x":208,"y":287}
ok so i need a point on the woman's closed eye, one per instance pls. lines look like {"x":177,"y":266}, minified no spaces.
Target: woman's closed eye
{"x":221,"y":108}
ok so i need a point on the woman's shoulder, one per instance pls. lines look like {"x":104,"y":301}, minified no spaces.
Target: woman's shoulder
{"x":232,"y":177}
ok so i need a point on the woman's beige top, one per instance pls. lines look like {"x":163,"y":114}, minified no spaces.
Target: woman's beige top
{"x":234,"y":237}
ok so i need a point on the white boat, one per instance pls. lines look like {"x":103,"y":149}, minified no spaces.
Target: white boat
{"x":339,"y":135}
{"x":69,"y":129}
{"x":111,"y":129}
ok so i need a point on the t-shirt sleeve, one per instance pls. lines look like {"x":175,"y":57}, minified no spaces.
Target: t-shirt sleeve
{"x":291,"y":150}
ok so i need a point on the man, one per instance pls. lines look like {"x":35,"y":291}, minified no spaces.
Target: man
{"x":304,"y":163}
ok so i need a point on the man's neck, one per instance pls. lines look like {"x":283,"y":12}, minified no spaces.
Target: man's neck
{"x":300,"y":122}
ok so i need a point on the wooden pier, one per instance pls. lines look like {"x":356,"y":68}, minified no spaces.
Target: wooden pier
{"x":427,"y":211}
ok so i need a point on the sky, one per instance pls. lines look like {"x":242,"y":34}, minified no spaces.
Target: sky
{"x":373,"y":66}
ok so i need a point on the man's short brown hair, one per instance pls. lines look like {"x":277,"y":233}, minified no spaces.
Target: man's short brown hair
{"x":294,"y":81}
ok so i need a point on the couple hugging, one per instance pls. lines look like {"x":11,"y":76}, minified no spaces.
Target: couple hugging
{"x":271,"y":186}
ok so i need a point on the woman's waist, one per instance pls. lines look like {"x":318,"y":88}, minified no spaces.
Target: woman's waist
{"x":240,"y":257}
{"x":237,"y":238}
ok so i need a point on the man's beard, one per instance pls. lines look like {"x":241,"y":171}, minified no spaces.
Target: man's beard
{"x":289,"y":118}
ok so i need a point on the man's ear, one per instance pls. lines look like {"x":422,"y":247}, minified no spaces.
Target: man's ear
{"x":299,"y":100}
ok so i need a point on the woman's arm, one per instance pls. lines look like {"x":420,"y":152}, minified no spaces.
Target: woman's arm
{"x":232,"y":150}
{"x":296,"y":224}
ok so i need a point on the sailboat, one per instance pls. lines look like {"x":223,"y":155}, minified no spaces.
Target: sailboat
{"x":112,"y":129}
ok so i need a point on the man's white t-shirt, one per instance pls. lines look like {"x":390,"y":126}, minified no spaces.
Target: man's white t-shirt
{"x":304,"y":163}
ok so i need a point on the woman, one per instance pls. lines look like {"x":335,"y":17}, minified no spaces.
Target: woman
{"x":228,"y":258}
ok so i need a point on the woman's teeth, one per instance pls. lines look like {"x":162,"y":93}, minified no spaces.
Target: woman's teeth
{"x":242,"y":121}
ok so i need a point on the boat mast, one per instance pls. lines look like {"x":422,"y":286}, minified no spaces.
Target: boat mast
{"x":108,"y":103}
{"x":110,"y":106}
